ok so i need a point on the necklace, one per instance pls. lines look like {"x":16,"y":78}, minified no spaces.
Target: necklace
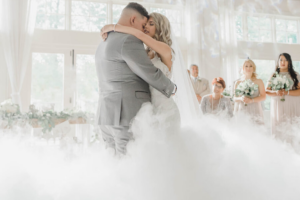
{"x":212,"y":103}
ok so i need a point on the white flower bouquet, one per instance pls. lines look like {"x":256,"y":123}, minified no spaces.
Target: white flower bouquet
{"x":8,"y":107}
{"x":246,"y":88}
{"x":279,"y":82}
{"x":10,"y":113}
{"x":226,"y":93}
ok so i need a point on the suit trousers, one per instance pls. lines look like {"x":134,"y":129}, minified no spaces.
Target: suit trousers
{"x":116,"y":137}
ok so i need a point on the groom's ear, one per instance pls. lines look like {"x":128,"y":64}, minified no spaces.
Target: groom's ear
{"x":132,"y":19}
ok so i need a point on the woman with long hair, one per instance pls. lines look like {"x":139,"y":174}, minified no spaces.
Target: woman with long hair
{"x":288,"y":110}
{"x":250,"y":104}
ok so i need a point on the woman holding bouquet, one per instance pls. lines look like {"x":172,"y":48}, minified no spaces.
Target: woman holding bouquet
{"x":249,"y":93}
{"x":285,"y":105}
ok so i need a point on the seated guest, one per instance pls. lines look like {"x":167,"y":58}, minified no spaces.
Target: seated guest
{"x":201,"y":85}
{"x":216,"y":103}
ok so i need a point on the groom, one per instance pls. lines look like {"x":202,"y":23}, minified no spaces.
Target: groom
{"x":125,"y":73}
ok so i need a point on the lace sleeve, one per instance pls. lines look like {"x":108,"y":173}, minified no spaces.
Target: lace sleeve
{"x":228,"y":106}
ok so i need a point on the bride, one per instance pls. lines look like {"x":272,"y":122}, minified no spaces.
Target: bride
{"x":160,"y":49}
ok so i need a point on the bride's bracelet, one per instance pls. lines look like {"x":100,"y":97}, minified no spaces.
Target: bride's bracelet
{"x":115,"y":27}
{"x":252,"y":100}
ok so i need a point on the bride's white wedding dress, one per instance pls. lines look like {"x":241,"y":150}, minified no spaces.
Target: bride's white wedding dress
{"x":162,"y":113}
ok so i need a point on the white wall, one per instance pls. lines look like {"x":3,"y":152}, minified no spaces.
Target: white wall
{"x":267,"y":51}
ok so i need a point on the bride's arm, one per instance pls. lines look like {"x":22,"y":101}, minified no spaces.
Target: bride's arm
{"x":161,"y":48}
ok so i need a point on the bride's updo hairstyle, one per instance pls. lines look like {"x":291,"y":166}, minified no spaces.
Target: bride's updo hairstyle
{"x":162,"y":28}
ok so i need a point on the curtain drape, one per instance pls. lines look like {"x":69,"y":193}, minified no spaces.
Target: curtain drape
{"x":17,"y":22}
{"x":211,"y":36}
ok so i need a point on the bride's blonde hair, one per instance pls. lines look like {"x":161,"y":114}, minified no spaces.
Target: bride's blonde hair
{"x":162,"y":28}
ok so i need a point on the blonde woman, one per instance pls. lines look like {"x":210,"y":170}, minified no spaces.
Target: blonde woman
{"x":157,"y":37}
{"x":253,"y":102}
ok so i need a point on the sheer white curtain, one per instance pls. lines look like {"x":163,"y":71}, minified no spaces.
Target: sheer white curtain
{"x":210,"y":28}
{"x":17,"y":22}
{"x":228,"y":41}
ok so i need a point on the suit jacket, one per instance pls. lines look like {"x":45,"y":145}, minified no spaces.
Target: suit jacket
{"x":125,"y":73}
{"x":201,"y":86}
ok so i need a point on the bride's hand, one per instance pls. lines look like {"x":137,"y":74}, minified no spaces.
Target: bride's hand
{"x":105,"y":29}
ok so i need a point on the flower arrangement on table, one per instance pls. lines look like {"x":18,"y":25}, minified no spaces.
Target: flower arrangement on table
{"x":246,"y":88}
{"x":10,"y":115}
{"x":279,"y":82}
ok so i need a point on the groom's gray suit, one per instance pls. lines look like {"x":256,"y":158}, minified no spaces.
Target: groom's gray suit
{"x":124,"y":73}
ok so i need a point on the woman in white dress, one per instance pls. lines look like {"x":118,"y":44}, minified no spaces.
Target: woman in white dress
{"x":157,"y":37}
{"x":288,"y":110}
{"x":253,"y":102}
{"x":216,"y":103}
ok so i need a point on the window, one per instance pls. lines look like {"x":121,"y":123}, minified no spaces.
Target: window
{"x":266,"y":29}
{"x":259,"y":29}
{"x":264,"y":70}
{"x":286,"y":31}
{"x":117,"y":10}
{"x":50,"y":14}
{"x":86,"y":83}
{"x":174,"y":17}
{"x":47,"y":79}
{"x":239,"y":27}
{"x":296,"y":65}
{"x":88,"y":16}
{"x":92,"y":15}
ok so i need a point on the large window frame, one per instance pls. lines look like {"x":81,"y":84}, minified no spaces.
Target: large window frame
{"x":273,"y":18}
{"x":82,"y":42}
{"x":110,"y":3}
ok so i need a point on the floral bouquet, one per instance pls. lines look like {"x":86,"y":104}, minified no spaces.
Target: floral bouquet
{"x":226,"y":93}
{"x":246,"y":88}
{"x":10,"y":112}
{"x":280,"y":82}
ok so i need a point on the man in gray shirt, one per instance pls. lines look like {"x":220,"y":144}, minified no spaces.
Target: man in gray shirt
{"x":200,"y":85}
{"x":125,"y":73}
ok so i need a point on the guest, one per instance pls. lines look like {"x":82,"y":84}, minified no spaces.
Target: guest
{"x":201,"y":85}
{"x":288,"y":110}
{"x":253,"y":102}
{"x":216,"y":103}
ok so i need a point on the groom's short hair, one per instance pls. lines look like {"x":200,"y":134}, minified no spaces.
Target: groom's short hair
{"x":139,"y":8}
